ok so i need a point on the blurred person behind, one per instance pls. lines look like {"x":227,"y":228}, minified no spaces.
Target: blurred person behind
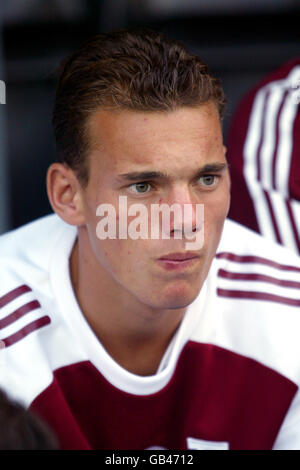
{"x":264,"y":156}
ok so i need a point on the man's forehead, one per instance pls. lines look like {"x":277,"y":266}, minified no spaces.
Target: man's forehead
{"x":129,"y":142}
{"x":121,"y":123}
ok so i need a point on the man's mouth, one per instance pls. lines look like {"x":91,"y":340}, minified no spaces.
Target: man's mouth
{"x":173,"y":261}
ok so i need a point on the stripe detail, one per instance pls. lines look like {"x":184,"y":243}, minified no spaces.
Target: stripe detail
{"x":13,"y":294}
{"x":272,"y":216}
{"x":257,"y":277}
{"x":286,"y":125}
{"x":283,"y":221}
{"x":19,"y":313}
{"x":252,"y":164}
{"x":257,"y":296}
{"x":256,"y":259}
{"x":277,"y":132}
{"x":33,"y":326}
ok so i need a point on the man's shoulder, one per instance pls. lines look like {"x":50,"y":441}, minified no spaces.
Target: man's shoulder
{"x":254,"y":299}
{"x":30,"y":237}
{"x":27,"y":250}
{"x":241,"y":244}
{"x":30,"y":317}
{"x":257,"y":274}
{"x":26,"y":292}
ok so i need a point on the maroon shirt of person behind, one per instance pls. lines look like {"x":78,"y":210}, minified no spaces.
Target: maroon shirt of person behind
{"x":264,"y":156}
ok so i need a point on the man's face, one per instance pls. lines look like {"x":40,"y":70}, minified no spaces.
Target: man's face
{"x":184,"y":153}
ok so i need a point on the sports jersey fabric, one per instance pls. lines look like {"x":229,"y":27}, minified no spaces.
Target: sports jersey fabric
{"x":264,"y":155}
{"x":228,"y":380}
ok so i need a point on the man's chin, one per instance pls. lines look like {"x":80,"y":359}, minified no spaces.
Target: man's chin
{"x":176,"y":298}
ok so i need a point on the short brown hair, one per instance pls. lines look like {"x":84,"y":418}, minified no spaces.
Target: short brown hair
{"x":134,"y":70}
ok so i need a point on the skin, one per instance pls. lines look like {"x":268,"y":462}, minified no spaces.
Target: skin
{"x":131,"y":301}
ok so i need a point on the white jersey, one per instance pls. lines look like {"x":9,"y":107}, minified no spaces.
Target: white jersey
{"x":228,"y":380}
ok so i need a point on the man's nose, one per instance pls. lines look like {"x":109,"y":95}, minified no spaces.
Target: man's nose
{"x":185,"y":216}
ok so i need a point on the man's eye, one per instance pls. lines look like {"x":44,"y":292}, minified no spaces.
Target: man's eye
{"x":140,"y":188}
{"x":208,"y":180}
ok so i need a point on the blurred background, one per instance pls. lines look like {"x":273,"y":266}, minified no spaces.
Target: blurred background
{"x":241,"y":40}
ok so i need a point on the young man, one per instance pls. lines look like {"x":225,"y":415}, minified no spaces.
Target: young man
{"x":138,"y":342}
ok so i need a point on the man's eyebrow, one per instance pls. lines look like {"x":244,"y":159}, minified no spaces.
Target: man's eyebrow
{"x":213,"y":167}
{"x":142,"y":175}
{"x":146,"y":175}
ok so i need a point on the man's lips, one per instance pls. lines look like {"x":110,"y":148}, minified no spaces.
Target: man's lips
{"x":178,"y":261}
{"x":178,"y":256}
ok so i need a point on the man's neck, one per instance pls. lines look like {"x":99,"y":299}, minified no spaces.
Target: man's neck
{"x":135,"y":335}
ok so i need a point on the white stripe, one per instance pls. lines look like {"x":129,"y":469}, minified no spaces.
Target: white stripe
{"x":269,"y":133}
{"x":285,"y":143}
{"x":250,"y":167}
{"x":16,"y":303}
{"x":21,"y":322}
{"x":283,"y":220}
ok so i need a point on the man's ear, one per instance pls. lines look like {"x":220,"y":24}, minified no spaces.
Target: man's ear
{"x":65,"y":194}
